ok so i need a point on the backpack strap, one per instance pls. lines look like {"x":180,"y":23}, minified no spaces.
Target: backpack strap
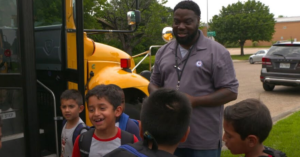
{"x":274,"y":152}
{"x":77,"y":131}
{"x":126,"y":137}
{"x":85,"y":141}
{"x":123,"y":121}
{"x":64,"y":122}
{"x":132,"y":150}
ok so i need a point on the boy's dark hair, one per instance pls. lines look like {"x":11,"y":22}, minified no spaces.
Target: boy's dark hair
{"x":249,"y":117}
{"x":109,"y":92}
{"x":72,"y":94}
{"x":119,"y":89}
{"x":190,"y":5}
{"x":166,"y":115}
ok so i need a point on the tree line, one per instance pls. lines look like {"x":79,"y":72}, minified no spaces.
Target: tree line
{"x":111,"y":14}
{"x":236,"y":23}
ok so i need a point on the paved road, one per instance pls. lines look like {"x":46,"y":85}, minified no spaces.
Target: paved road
{"x":282,"y":101}
{"x":237,"y":51}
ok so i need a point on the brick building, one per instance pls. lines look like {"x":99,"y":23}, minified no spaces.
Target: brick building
{"x":286,"y":29}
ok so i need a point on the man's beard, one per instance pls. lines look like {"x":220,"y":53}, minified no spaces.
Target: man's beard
{"x":186,"y":40}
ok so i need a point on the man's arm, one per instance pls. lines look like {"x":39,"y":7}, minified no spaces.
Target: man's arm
{"x":156,"y":79}
{"x":219,"y":97}
{"x":152,"y":88}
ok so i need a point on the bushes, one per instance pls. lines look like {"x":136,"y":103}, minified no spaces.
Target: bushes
{"x":254,"y":43}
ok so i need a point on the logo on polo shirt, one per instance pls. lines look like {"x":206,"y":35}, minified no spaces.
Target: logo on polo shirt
{"x":199,"y":63}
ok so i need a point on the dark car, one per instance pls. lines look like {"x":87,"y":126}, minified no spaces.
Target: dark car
{"x":281,"y":66}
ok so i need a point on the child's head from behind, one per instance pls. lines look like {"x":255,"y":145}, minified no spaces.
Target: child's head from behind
{"x":71,"y":104}
{"x":103,"y":102}
{"x":166,"y":116}
{"x":246,"y":125}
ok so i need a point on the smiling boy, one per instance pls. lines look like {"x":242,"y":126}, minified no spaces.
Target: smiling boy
{"x":103,"y":103}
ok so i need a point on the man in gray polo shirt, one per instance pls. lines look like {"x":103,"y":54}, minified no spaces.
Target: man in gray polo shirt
{"x":203,"y":70}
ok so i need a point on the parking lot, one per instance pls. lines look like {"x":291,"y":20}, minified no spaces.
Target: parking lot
{"x":281,"y":102}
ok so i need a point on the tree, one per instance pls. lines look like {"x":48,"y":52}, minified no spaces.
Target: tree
{"x":47,"y":12}
{"x":239,"y":22}
{"x":154,"y":17}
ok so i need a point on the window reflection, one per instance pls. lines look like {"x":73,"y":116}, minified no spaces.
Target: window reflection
{"x":11,"y":112}
{"x":47,"y":12}
{"x":9,"y":46}
{"x":8,"y":13}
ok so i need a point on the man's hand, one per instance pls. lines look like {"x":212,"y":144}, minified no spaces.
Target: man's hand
{"x":191,"y":98}
{"x":219,"y":97}
{"x":152,"y":88}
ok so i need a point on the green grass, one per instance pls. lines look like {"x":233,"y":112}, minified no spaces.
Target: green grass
{"x":285,"y":136}
{"x":257,"y":46}
{"x":145,"y":64}
{"x":239,"y":57}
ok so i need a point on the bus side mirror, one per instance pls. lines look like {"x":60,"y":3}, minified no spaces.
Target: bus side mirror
{"x":167,"y":34}
{"x":133,"y":17}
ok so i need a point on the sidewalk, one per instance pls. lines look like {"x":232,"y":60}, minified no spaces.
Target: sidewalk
{"x":237,"y":51}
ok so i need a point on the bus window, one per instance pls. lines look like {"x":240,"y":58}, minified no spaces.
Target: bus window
{"x":11,"y":112}
{"x":47,"y":12}
{"x":8,"y":13}
{"x":9,"y":46}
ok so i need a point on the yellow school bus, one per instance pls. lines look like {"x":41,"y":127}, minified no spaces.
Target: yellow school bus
{"x":65,"y":58}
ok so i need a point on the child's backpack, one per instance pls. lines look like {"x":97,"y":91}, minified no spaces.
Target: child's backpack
{"x":273,"y":152}
{"x":78,"y":129}
{"x":132,"y":150}
{"x":123,"y":121}
{"x":85,"y":141}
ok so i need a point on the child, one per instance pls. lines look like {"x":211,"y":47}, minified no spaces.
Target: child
{"x":104,"y":105}
{"x":71,"y":106}
{"x":0,"y":132}
{"x":165,"y":119}
{"x":124,"y":122}
{"x":247,"y":124}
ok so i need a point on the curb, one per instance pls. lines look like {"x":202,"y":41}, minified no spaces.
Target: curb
{"x":283,"y":115}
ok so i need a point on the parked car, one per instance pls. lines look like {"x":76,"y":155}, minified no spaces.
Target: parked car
{"x":256,"y":57}
{"x":281,"y":66}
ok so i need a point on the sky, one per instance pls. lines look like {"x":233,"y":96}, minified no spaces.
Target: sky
{"x":287,"y":8}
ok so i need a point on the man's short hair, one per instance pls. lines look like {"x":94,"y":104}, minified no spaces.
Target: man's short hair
{"x":72,"y":94}
{"x":110,"y":93}
{"x":190,"y":5}
{"x":166,"y":116}
{"x":249,"y":117}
